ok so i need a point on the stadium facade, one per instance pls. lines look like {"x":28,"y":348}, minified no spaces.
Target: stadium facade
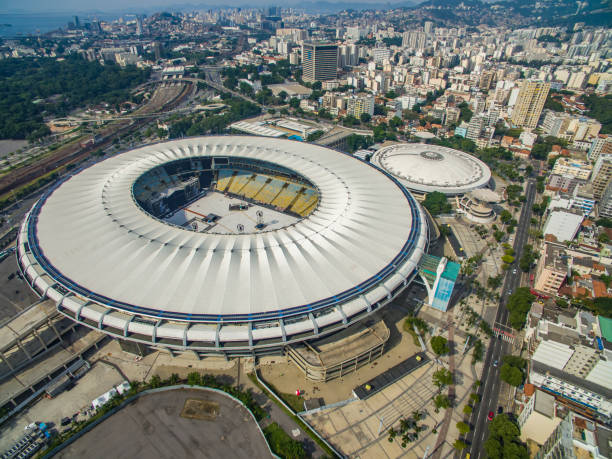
{"x":100,"y":245}
{"x":424,"y":168}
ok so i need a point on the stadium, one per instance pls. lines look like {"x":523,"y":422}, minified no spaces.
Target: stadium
{"x":424,"y":168}
{"x":228,"y":245}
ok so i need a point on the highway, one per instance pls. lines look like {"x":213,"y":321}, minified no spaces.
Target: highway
{"x":490,"y":382}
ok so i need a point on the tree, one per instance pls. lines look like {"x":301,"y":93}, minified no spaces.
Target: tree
{"x":410,"y":115}
{"x":459,"y":445}
{"x":442,"y":401}
{"x":155,"y":381}
{"x":439,"y":344}
{"x":512,"y":370}
{"x":511,"y":375}
{"x":380,"y":109}
{"x":519,"y":304}
{"x":365,"y":117}
{"x":391,"y":95}
{"x":504,"y":441}
{"x":463,"y":428}
{"x":505,"y":216}
{"x":436,"y":203}
{"x":467,"y":409}
{"x":194,"y":378}
{"x":294,"y":102}
{"x":465,"y":112}
{"x":395,"y":122}
{"x":442,"y":378}
{"x":494,"y":282}
{"x":527,"y":259}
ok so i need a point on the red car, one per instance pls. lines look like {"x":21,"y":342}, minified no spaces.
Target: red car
{"x":490,"y":416}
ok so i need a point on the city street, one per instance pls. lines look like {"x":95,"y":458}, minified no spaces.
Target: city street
{"x":490,"y":382}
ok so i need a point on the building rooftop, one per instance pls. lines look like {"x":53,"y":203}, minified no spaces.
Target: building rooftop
{"x":605,"y":325}
{"x":556,"y":257}
{"x":427,"y":168}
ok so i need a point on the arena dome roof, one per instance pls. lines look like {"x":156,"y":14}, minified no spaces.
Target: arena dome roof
{"x":426,"y":168}
{"x":90,"y":246}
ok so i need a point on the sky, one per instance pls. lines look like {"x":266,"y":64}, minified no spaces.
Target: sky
{"x":75,"y":6}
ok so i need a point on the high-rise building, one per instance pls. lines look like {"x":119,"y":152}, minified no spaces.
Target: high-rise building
{"x":356,"y":105}
{"x":551,"y":269}
{"x":602,"y":144}
{"x":354,"y":33}
{"x":476,"y":126}
{"x":274,"y":11}
{"x":530,"y":102}
{"x":428,"y":27}
{"x":139,"y":25}
{"x":319,"y":61}
{"x":602,"y":172}
{"x":77,"y":23}
{"x":605,"y":203}
{"x":381,"y":54}
{"x":414,"y":40}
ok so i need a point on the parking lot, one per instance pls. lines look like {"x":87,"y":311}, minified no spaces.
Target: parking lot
{"x":15,"y":293}
{"x":155,"y":425}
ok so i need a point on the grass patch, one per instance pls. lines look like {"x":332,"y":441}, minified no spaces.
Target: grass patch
{"x":296,"y":402}
{"x":297,"y":420}
{"x":420,"y":324}
{"x":282,"y":444}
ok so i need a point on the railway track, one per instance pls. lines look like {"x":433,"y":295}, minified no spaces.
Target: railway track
{"x":76,"y":153}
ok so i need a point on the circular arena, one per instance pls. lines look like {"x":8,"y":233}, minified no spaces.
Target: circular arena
{"x":235,"y":245}
{"x":424,"y":168}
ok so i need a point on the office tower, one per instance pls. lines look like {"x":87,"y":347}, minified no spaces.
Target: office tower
{"x":157,"y":50}
{"x":139,"y":25}
{"x":77,"y":23}
{"x":319,"y":62}
{"x":529,"y":104}
{"x":274,"y":11}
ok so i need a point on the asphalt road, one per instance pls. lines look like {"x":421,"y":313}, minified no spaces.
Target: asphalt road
{"x":490,"y":382}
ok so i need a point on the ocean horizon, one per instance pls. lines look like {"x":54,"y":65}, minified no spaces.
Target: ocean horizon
{"x":15,"y":25}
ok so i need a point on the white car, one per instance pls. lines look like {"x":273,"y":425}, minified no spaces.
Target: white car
{"x":514,"y":271}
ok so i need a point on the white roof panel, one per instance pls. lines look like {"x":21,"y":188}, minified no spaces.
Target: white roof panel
{"x":553,"y":354}
{"x":91,"y":231}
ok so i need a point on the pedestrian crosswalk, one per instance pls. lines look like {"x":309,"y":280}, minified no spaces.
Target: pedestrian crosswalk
{"x":504,"y":335}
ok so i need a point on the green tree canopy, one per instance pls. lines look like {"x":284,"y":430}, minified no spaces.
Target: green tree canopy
{"x":439,"y":344}
{"x":504,"y":441}
{"x":436,"y":203}
{"x":519,"y":304}
{"x":512,"y":370}
{"x":442,"y":378}
{"x":33,"y":87}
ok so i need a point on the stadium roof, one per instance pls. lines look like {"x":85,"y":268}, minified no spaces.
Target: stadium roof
{"x":426,"y":168}
{"x":91,"y":237}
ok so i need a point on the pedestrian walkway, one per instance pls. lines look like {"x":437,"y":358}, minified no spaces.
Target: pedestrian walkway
{"x":437,"y":453}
